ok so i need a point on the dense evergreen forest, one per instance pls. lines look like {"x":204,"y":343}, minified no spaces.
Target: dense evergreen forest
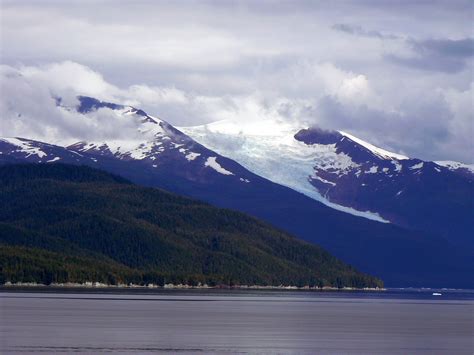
{"x":62,"y":223}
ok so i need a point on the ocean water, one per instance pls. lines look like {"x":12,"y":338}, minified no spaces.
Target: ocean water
{"x":141,"y":321}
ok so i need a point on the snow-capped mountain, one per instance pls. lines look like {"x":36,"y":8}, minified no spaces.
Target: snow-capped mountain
{"x":156,"y":145}
{"x":460,"y":168}
{"x":349,"y":174}
{"x":269,"y":149}
{"x":22,"y":150}
{"x":162,"y":156}
{"x":432,"y":196}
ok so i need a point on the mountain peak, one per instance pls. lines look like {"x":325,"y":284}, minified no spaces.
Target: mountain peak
{"x":382,"y":153}
{"x":316,"y":134}
{"x":88,"y":104}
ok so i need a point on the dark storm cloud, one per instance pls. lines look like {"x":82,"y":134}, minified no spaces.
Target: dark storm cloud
{"x":444,"y":55}
{"x":462,"y":48}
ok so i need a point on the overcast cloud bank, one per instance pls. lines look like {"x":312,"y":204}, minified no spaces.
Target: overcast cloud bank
{"x":398,"y":76}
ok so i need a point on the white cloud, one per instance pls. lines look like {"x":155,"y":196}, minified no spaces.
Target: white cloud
{"x":462,"y":126}
{"x":342,"y":100}
{"x":154,"y":95}
{"x":354,"y":89}
{"x":28,"y":106}
{"x":192,"y":63}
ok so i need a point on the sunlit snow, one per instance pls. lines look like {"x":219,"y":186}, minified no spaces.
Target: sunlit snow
{"x":416,"y":166}
{"x":25,"y":146}
{"x":454,"y":165}
{"x":398,"y":166}
{"x":191,"y":156}
{"x":372,"y":170}
{"x":270,"y":150}
{"x":212,"y":163}
{"x":382,"y":153}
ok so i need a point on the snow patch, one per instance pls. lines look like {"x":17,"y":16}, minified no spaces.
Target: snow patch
{"x":26,"y":146}
{"x":398,"y":166}
{"x":323,"y":180}
{"x":212,"y":163}
{"x":417,"y":166}
{"x":191,"y":156}
{"x":53,"y":160}
{"x":135,"y":149}
{"x":142,"y":151}
{"x":324,"y":157}
{"x":454,"y":165}
{"x":382,"y":153}
{"x":372,"y":170}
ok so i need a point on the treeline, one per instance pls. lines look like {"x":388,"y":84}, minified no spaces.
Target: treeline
{"x":30,"y":265}
{"x":61,"y":223}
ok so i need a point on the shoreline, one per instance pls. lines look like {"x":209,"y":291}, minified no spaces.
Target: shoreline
{"x":98,"y":285}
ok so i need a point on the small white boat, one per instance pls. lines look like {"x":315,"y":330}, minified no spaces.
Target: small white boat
{"x":437,"y":294}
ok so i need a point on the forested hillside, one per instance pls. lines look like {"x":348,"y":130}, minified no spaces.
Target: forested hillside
{"x":64,"y":223}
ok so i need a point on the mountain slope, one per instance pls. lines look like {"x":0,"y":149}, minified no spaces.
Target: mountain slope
{"x":408,"y":192}
{"x":104,"y":228}
{"x":345,"y":172}
{"x":421,"y":258}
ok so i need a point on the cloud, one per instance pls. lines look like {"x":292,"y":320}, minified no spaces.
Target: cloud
{"x":29,"y":109}
{"x":427,"y":127}
{"x":462,"y":127}
{"x":462,"y":48}
{"x":424,"y":122}
{"x":432,"y":126}
{"x":360,"y":31}
{"x":196,"y":62}
{"x":443,"y":55}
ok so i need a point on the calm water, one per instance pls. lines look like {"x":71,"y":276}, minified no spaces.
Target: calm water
{"x":140,"y":322}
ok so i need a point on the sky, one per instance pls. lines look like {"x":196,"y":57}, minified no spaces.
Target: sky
{"x":398,"y":74}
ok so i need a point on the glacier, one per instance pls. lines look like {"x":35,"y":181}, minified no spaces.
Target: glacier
{"x":269,"y":149}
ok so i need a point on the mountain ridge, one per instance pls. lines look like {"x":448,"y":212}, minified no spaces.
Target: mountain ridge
{"x":79,"y":215}
{"x":341,"y":170}
{"x":366,"y":244}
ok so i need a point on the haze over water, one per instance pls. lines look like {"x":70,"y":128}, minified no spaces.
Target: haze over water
{"x":142,"y":322}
